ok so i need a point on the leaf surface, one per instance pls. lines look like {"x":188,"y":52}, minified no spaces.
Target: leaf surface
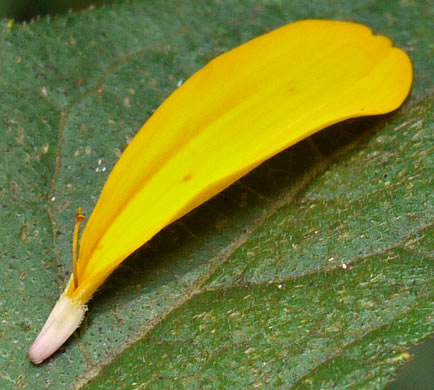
{"x":250,"y":288}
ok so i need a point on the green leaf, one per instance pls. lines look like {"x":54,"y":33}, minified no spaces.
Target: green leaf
{"x":313,"y":271}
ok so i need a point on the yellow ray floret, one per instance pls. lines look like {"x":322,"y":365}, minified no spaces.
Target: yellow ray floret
{"x":242,"y":108}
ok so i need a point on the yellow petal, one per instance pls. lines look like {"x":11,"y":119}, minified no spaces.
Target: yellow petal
{"x":242,"y":108}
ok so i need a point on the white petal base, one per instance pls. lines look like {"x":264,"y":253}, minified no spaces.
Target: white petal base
{"x":64,"y":319}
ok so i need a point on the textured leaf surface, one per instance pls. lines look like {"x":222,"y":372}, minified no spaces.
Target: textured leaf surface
{"x":314,"y":269}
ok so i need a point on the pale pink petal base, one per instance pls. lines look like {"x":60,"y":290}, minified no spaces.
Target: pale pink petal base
{"x":64,"y":319}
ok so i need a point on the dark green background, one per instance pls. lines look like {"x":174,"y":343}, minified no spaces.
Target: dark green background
{"x":28,"y":9}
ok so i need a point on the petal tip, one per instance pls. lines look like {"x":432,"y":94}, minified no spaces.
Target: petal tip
{"x":64,"y":319}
